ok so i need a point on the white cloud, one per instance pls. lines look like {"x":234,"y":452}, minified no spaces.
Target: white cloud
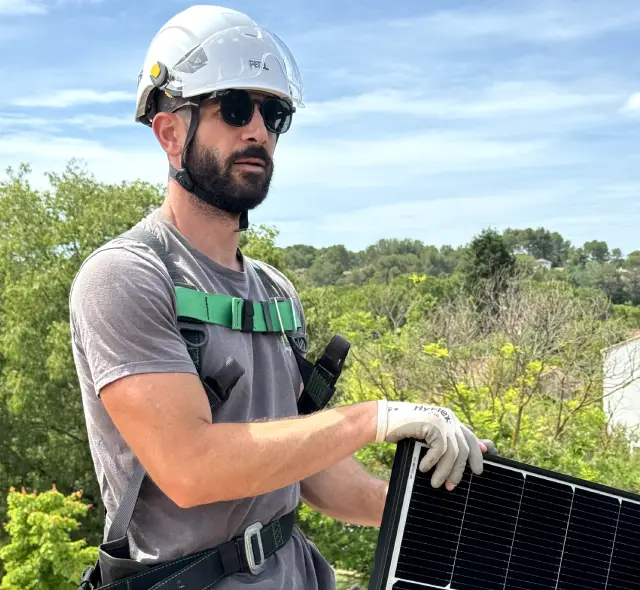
{"x":329,"y":165}
{"x":11,"y":120}
{"x":396,"y":161}
{"x":90,"y":121}
{"x":440,"y":214}
{"x":56,"y":148}
{"x":573,"y":208}
{"x":473,"y":113}
{"x":75,"y":97}
{"x":452,"y":220}
{"x":22,"y":7}
{"x":632,"y":105}
{"x":46,"y":153}
{"x":498,"y":100}
{"x":36,"y":7}
{"x":537,"y":21}
{"x":435,"y":213}
{"x":58,"y":124}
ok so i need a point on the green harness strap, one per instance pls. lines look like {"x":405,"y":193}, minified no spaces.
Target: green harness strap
{"x":236,"y":313}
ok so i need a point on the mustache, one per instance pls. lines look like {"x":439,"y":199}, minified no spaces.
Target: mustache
{"x":253,"y":151}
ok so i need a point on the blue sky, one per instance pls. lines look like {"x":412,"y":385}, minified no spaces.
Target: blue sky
{"x":424,"y":119}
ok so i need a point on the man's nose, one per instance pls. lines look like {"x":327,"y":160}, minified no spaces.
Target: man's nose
{"x":255,"y":131}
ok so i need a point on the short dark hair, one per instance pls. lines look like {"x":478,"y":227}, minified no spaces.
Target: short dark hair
{"x":166,"y":103}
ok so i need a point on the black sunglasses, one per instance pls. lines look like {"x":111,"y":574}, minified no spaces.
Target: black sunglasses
{"x":237,"y":108}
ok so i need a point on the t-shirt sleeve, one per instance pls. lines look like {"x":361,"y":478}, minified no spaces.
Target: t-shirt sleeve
{"x":122,"y":313}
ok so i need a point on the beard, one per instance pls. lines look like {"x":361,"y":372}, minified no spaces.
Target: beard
{"x":223,"y":191}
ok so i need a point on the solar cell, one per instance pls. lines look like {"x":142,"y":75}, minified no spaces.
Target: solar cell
{"x":515,"y":527}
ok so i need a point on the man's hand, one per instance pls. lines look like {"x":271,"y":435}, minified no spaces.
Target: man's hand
{"x":451,"y":443}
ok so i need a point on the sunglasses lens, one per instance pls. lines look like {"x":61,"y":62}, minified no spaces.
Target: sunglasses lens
{"x":236,"y":107}
{"x":277,"y":115}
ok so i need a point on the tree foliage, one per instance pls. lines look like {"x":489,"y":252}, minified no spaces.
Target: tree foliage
{"x":40,"y":554}
{"x":46,"y":235}
{"x":538,"y":243}
{"x":259,"y":243}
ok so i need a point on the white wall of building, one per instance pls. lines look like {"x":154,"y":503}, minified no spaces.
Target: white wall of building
{"x":622,"y":383}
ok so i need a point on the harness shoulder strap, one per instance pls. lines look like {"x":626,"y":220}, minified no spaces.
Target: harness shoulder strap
{"x":218,"y":387}
{"x":149,"y":239}
{"x":319,"y":379}
{"x":192,"y":336}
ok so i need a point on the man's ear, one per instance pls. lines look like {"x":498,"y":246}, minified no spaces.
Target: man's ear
{"x":170,"y":130}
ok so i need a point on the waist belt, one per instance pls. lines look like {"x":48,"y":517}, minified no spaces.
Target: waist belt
{"x":247,"y":553}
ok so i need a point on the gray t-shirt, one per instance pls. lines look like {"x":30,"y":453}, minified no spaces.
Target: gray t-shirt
{"x":122,"y":313}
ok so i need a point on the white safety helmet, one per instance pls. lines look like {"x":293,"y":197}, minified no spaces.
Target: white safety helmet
{"x":204,"y":49}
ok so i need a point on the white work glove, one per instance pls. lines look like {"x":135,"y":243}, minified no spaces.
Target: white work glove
{"x":451,"y":443}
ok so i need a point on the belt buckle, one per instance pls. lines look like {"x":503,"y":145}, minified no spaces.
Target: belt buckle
{"x":250,"y":532}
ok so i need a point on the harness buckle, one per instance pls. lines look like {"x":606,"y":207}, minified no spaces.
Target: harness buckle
{"x":253,"y":542}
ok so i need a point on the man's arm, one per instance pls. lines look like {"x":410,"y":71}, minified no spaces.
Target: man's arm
{"x":346,"y":492}
{"x":166,"y":420}
{"x":122,"y":312}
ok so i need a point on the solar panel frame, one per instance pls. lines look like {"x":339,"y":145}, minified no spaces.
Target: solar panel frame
{"x":400,"y":498}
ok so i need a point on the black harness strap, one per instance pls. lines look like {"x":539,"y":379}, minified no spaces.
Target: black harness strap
{"x":193,"y":333}
{"x":319,"y":379}
{"x":122,"y":519}
{"x":203,"y":569}
{"x":206,"y":565}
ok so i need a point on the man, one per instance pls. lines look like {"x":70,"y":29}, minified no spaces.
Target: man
{"x":217,"y":92}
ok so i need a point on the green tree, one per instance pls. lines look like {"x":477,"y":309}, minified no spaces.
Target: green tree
{"x":391,"y":266}
{"x":391,"y":247}
{"x":530,"y":378}
{"x":487,"y":263}
{"x":606,"y":277}
{"x":597,"y":250}
{"x":329,"y":266}
{"x":577,"y":257}
{"x":628,"y":314}
{"x":616,"y":257}
{"x":633,"y":260}
{"x":299,"y":256}
{"x":41,"y":553}
{"x":259,"y":243}
{"x":538,"y":243}
{"x":46,"y":236}
{"x":443,"y":261}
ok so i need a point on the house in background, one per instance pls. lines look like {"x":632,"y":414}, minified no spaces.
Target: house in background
{"x":621,"y":372}
{"x":544,"y":263}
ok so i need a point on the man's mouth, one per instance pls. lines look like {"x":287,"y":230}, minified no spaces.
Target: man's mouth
{"x":255,"y":163}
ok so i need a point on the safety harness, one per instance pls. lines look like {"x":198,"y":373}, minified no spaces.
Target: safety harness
{"x":248,"y":552}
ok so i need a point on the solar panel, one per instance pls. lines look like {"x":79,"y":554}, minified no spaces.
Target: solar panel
{"x":515,"y":527}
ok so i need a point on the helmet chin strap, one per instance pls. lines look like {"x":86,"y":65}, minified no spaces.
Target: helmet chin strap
{"x":182,"y":176}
